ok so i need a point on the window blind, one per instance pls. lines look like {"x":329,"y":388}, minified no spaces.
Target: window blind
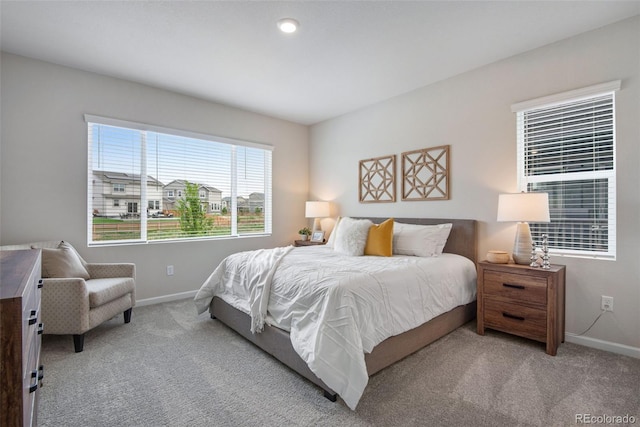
{"x":567,"y":149}
{"x":194,"y":185}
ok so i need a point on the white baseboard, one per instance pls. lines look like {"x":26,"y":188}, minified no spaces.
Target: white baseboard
{"x":625,"y":350}
{"x":166,"y":298}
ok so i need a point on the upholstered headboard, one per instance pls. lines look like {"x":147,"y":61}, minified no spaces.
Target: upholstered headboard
{"x":462,"y":239}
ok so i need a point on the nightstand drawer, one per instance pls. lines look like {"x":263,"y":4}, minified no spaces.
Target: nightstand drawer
{"x":516,"y":319}
{"x":515,"y":286}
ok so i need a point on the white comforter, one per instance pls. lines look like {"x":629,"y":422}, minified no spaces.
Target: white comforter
{"x":338,"y":307}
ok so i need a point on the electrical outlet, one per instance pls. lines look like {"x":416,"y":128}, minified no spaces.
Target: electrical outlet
{"x":607,"y":303}
{"x":169,"y":270}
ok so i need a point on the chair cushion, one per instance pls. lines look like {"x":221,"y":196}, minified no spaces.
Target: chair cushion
{"x":62,"y":262}
{"x":102,"y":291}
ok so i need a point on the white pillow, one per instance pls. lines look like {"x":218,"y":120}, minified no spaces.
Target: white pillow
{"x":334,"y":232}
{"x":420,"y":240}
{"x":351,"y":236}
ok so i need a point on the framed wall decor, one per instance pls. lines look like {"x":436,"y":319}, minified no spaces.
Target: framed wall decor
{"x":317,"y":236}
{"x":425,"y":174}
{"x":377,"y":181}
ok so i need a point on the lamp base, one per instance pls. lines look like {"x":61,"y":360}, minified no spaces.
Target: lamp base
{"x":522,"y":244}
{"x":316,"y":225}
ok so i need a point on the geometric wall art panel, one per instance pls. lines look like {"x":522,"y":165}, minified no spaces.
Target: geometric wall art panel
{"x":425,"y":174}
{"x":377,"y":180}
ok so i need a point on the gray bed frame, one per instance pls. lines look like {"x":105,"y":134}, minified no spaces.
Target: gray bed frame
{"x":462,"y":241}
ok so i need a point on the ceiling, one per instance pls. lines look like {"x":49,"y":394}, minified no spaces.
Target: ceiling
{"x":345,"y":56}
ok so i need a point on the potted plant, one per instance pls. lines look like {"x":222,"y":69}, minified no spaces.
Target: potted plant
{"x":304,"y":233}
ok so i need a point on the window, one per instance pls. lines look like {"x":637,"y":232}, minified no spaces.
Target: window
{"x":181,"y":169}
{"x":566,"y":147}
{"x":132,"y":207}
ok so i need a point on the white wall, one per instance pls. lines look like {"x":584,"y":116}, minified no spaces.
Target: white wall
{"x":471,"y":112}
{"x":43,"y":176}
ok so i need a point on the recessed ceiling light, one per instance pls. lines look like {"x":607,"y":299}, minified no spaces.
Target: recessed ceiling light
{"x":288,"y":25}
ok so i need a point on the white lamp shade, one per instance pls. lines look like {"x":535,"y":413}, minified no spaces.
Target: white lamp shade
{"x":317,"y":210}
{"x":523,"y":207}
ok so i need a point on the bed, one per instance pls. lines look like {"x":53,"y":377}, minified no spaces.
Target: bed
{"x":287,"y":337}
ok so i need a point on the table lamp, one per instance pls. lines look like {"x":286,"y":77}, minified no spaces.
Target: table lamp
{"x":317,"y":210}
{"x":523,"y":208}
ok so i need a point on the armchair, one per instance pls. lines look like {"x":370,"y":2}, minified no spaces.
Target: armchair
{"x":74,"y":305}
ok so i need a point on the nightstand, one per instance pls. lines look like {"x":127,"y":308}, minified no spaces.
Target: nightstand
{"x":307,"y":243}
{"x":523,"y":301}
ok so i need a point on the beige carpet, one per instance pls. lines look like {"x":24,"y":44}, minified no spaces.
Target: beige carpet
{"x":170,"y":367}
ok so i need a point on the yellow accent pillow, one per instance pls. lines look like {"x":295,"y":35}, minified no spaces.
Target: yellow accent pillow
{"x":380,"y":239}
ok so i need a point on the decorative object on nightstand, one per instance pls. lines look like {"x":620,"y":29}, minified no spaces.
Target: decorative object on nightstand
{"x":523,"y":301}
{"x":317,"y":236}
{"x":523,"y":208}
{"x":534,"y":256}
{"x":498,"y":257}
{"x":317,"y":210}
{"x":545,"y":252}
{"x":304,"y":233}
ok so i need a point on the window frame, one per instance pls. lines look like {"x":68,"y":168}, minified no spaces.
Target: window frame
{"x":143,"y":201}
{"x":591,"y":92}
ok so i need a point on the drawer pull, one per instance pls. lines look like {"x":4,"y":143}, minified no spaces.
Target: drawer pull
{"x":40,"y":372}
{"x":33,"y":387}
{"x":40,"y":284}
{"x":512,"y":316}
{"x":509,"y":285}
{"x":33,"y":317}
{"x":40,"y":328}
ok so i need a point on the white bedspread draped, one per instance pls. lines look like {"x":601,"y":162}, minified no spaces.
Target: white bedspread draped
{"x":338,"y":307}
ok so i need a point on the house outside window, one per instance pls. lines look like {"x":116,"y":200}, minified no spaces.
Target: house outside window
{"x":566,"y":148}
{"x":107,"y":205}
{"x":177,"y":165}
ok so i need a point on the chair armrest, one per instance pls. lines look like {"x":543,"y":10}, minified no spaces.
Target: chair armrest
{"x":65,"y":306}
{"x":106,"y":270}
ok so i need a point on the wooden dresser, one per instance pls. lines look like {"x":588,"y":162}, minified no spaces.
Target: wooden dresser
{"x":20,"y":336}
{"x":523,"y":301}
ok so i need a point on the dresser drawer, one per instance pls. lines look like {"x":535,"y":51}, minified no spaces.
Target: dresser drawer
{"x":516,"y":319}
{"x":20,"y":322}
{"x":518,"y":287}
{"x":32,"y":380}
{"x":31,"y":342}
